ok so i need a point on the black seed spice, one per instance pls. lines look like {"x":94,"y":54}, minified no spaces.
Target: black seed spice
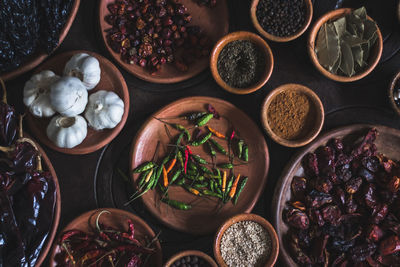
{"x":241,"y":64}
{"x":281,"y":17}
{"x":190,"y":261}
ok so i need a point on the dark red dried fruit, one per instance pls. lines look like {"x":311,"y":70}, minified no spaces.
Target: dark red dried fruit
{"x":297,"y":218}
{"x":390,"y":245}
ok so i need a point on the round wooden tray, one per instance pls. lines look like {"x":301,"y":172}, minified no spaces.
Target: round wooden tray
{"x":206,"y":214}
{"x":117,"y":219}
{"x":214,"y":22}
{"x":38,"y":57}
{"x":111,"y":80}
{"x":385,"y":142}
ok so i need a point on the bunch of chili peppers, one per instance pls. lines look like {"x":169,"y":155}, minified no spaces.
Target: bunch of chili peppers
{"x":346,"y":210}
{"x":181,"y":167}
{"x":27,"y":193}
{"x":105,"y":246}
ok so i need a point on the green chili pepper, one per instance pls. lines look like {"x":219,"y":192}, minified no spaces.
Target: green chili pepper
{"x":210,"y":176}
{"x":192,"y":166}
{"x":181,"y":181}
{"x":212,"y":185}
{"x":211,"y":149}
{"x":199,"y":186}
{"x":204,"y":119}
{"x":219,"y":182}
{"x":218,"y":190}
{"x":217,"y":171}
{"x":144,"y":167}
{"x":218,"y":146}
{"x":193,"y":116}
{"x":158,"y":175}
{"x":240,"y":189}
{"x":178,"y":141}
{"x":176,"y":204}
{"x":228,"y":189}
{"x":199,"y":159}
{"x":191,"y":172}
{"x":180,"y":158}
{"x":175,"y":176}
{"x":210,"y":193}
{"x":205,"y":170}
{"x":225,"y":165}
{"x":245,"y":155}
{"x":142,"y":178}
{"x":147,"y":188}
{"x":201,"y":141}
{"x":240,"y":144}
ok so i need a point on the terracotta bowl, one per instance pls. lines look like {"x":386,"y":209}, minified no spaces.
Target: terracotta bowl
{"x":270,"y":261}
{"x":391,"y":88}
{"x":261,"y":44}
{"x":37,"y":58}
{"x":197,"y":253}
{"x":307,"y":21}
{"x":373,"y":59}
{"x":319,"y":116}
{"x":117,"y":219}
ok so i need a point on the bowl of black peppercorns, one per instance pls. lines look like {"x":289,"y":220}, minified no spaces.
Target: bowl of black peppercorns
{"x":191,"y":258}
{"x":281,"y":20}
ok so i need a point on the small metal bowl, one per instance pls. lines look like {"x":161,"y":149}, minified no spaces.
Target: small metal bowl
{"x":392,"y":96}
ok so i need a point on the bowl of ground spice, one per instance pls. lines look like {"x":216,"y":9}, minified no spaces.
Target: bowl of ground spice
{"x":292,"y":115}
{"x":281,"y":20}
{"x":246,"y":240}
{"x":241,"y":62}
{"x":190,"y":258}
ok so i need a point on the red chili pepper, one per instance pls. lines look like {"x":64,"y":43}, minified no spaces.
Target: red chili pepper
{"x":188,"y":149}
{"x":131,"y":230}
{"x":71,"y":233}
{"x":104,"y":236}
{"x":232,"y":135}
{"x":186,"y":159}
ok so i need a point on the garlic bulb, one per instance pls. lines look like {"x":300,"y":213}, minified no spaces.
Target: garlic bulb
{"x":67,"y":132}
{"x":84,"y":67}
{"x":37,"y":93}
{"x":104,"y":110}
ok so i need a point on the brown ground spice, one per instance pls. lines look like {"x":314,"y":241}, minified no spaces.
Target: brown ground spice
{"x":291,"y":115}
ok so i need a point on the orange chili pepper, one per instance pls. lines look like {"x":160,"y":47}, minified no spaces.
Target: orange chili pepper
{"x":224,"y":182}
{"x":194,"y":191}
{"x":234,"y":186}
{"x":165,"y":174}
{"x":171,"y":165}
{"x":216,"y":133}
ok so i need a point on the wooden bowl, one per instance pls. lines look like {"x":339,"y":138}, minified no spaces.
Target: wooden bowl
{"x":373,"y":59}
{"x":38,"y":57}
{"x":261,"y":44}
{"x":270,"y":261}
{"x":386,"y":142}
{"x":319,"y":116}
{"x":117,"y":219}
{"x":390,"y":93}
{"x":214,"y":22}
{"x":307,"y":21}
{"x":185,"y":253}
{"x":111,"y":80}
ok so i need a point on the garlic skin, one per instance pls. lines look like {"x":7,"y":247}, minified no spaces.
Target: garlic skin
{"x":68,"y":96}
{"x":36,"y":95}
{"x":84,"y":67}
{"x":67,"y":132}
{"x":104,"y":110}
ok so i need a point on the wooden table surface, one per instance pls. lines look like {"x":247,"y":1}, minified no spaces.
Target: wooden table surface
{"x":83,"y":188}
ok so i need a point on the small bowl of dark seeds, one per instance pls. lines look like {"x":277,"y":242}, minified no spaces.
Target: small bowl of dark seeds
{"x":394,"y":93}
{"x":190,"y":258}
{"x":281,"y":20}
{"x":241,"y":62}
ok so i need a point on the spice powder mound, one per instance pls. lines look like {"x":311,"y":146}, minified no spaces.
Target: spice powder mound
{"x":291,"y":115}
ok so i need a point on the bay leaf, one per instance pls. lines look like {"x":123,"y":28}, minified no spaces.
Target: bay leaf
{"x":370,"y":29}
{"x":361,"y":13}
{"x":340,"y":26}
{"x":352,"y":40}
{"x":355,"y":25}
{"x":365,"y":48}
{"x":335,"y":66}
{"x":327,"y":46}
{"x":358,"y":55}
{"x":347,"y":61}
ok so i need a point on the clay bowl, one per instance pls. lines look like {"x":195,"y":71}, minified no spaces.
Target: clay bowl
{"x":387,"y":143}
{"x":111,"y":79}
{"x":185,"y":253}
{"x":311,"y":133}
{"x":307,"y":21}
{"x":390,"y":93}
{"x":38,"y":57}
{"x":214,"y":22}
{"x":118,"y":220}
{"x":197,"y":219}
{"x":261,"y":44}
{"x":270,"y":261}
{"x":375,"y":53}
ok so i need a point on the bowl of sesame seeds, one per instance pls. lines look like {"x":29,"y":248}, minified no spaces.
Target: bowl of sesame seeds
{"x":246,"y":240}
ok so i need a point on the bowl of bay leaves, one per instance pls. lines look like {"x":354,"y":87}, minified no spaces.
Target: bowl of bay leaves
{"x":345,"y":44}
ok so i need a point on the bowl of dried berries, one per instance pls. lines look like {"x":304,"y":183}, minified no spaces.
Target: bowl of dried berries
{"x":345,"y":45}
{"x":241,"y":62}
{"x":394,"y":92}
{"x":191,"y":258}
{"x":246,"y":240}
{"x":281,"y":20}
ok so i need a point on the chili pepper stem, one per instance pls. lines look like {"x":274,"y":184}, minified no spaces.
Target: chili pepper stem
{"x":65,"y":247}
{"x":3,"y":86}
{"x":98,"y":217}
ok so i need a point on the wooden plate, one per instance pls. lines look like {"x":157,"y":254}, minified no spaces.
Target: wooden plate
{"x":118,"y":220}
{"x":205,"y":215}
{"x":111,"y":80}
{"x":386,"y":142}
{"x":38,"y":57}
{"x":213,"y":21}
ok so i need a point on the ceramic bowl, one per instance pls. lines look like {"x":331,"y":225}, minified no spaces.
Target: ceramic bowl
{"x":392,"y":85}
{"x":270,"y":261}
{"x":185,"y":253}
{"x":313,"y":131}
{"x":261,"y":44}
{"x":373,"y":59}
{"x":307,"y":21}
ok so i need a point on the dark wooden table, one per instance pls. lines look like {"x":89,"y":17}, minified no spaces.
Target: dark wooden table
{"x":87,"y":181}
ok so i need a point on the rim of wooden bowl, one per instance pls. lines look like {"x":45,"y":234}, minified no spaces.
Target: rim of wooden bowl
{"x":374,"y":59}
{"x":197,"y":253}
{"x":395,"y":78}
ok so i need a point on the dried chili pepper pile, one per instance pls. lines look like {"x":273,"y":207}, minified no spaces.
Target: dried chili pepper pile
{"x":150,"y":33}
{"x":27,"y":194}
{"x":182,"y":167}
{"x":105,"y":246}
{"x":346,"y":210}
{"x":29,"y":26}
